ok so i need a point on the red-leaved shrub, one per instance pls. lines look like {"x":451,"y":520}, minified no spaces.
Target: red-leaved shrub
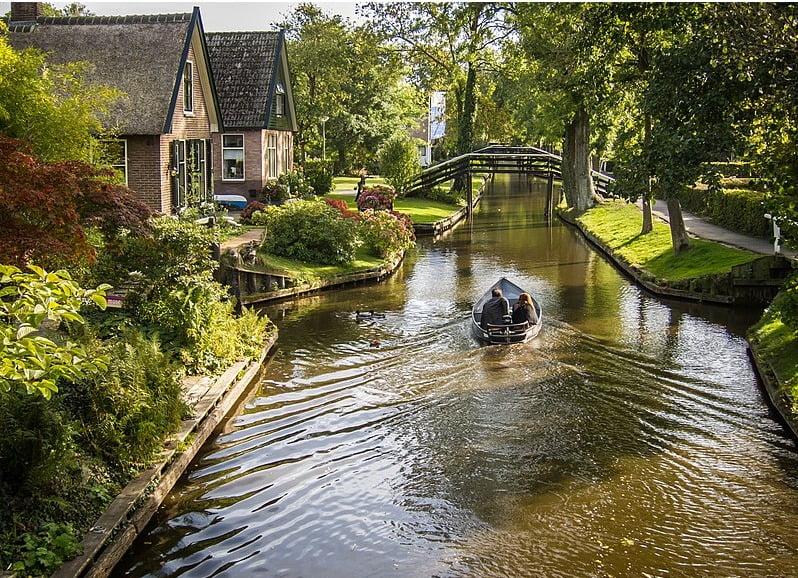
{"x":252,"y":208}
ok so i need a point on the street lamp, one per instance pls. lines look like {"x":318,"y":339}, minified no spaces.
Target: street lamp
{"x":324,"y":120}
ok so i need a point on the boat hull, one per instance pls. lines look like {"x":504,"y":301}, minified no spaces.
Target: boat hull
{"x":502,"y":335}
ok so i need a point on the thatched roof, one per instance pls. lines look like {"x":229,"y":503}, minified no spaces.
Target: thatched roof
{"x":139,"y":55}
{"x":244,"y":64}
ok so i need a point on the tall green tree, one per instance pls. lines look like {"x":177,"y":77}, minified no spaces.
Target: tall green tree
{"x":449,"y":46}
{"x":347,"y":83}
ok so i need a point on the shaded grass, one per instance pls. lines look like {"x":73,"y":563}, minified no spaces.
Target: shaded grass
{"x":618,"y":224}
{"x":777,"y":344}
{"x":311,"y":272}
{"x":419,"y":210}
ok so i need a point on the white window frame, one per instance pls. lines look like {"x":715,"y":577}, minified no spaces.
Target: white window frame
{"x":124,"y":142}
{"x":279,"y":105}
{"x":272,"y":156}
{"x":242,"y":148}
{"x":188,"y":74}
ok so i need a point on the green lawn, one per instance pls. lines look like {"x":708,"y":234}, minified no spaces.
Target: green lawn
{"x":309,"y":272}
{"x":778,"y":345}
{"x":343,"y":185}
{"x":618,"y":224}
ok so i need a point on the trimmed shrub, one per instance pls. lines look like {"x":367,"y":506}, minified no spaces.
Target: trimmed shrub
{"x":385,"y":234}
{"x":319,"y":175}
{"x":399,"y":161}
{"x":732,"y":169}
{"x":341,"y":206}
{"x":310,"y":231}
{"x":252,"y":208}
{"x":740,"y":210}
{"x":377,"y":197}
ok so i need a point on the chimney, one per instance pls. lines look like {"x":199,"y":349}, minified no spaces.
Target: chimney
{"x":25,"y":11}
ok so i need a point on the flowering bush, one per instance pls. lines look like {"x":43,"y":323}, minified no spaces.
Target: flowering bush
{"x":384,"y":233}
{"x":252,"y":208}
{"x":376,"y":197}
{"x":298,"y":186}
{"x":310,"y":231}
{"x":274,"y":192}
{"x":341,"y":207}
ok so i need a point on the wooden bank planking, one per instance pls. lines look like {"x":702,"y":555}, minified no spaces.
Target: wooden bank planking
{"x":439,"y":227}
{"x":127,"y":516}
{"x":775,"y":393}
{"x":337,"y":282}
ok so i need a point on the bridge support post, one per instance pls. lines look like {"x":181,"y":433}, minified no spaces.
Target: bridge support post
{"x":469,"y":195}
{"x":549,"y":195}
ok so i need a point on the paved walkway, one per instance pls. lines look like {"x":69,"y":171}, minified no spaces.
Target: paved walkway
{"x":700,"y":228}
{"x":242,"y":239}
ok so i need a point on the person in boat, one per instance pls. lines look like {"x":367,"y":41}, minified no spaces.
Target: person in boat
{"x":524,"y":311}
{"x":495,"y":310}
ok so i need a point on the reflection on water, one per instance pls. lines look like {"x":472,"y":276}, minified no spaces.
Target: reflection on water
{"x":629,"y":439}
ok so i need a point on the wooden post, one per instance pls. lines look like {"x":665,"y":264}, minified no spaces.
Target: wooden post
{"x":549,"y":193}
{"x":469,"y":195}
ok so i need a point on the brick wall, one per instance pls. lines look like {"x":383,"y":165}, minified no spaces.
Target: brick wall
{"x":143,"y":170}
{"x":253,"y":166}
{"x":193,"y":126}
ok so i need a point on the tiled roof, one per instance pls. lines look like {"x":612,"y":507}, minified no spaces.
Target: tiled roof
{"x":243,"y":64}
{"x":139,"y":55}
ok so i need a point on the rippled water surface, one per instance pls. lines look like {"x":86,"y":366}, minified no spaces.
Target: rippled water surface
{"x":629,"y":439}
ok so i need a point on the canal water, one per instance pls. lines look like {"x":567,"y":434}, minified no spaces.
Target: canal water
{"x":629,"y":439}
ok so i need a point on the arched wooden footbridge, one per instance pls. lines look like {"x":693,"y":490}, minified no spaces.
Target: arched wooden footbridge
{"x":501,"y":159}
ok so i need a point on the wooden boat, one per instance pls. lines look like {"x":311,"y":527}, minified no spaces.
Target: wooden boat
{"x":511,"y":333}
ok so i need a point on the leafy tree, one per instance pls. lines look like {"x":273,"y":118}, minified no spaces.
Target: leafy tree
{"x":29,"y":358}
{"x":45,"y":207}
{"x":399,"y":161}
{"x":346,"y":75}
{"x":448,"y":46}
{"x":52,"y":107}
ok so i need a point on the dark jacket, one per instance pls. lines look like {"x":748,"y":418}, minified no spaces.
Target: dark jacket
{"x":525,"y":312}
{"x":493,"y":312}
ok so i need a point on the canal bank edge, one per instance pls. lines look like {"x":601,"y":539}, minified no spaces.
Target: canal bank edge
{"x":239,"y":279}
{"x":129,"y":513}
{"x":722,"y":288}
{"x":439,"y":227}
{"x":776,"y":396}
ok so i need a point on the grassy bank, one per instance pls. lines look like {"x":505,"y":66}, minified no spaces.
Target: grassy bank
{"x":776,"y":344}
{"x":618,"y":224}
{"x":310,"y":272}
{"x":419,"y":210}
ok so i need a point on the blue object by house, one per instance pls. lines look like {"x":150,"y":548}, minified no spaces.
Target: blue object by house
{"x":231,"y":201}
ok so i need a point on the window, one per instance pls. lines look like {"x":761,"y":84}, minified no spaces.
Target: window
{"x":188,"y":88}
{"x":271,"y":154}
{"x":114,"y":154}
{"x":190,"y":171}
{"x":232,"y":157}
{"x":279,"y":100}
{"x":286,"y":154}
{"x":179,"y":172}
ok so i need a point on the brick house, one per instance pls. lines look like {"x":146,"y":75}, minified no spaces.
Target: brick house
{"x":256,"y":100}
{"x":169,"y":110}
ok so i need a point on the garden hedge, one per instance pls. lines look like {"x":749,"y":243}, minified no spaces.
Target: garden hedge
{"x":740,"y":210}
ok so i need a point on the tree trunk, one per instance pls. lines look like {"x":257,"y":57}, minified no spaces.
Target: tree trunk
{"x":648,"y":222}
{"x":465,"y":127}
{"x":583,"y":176}
{"x":679,"y":236}
{"x":566,"y":169}
{"x":648,"y":219}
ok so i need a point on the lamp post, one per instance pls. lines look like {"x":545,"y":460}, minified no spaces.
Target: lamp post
{"x":324,"y":120}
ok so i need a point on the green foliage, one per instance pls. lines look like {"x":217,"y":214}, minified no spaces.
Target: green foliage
{"x":42,"y":552}
{"x":298,"y":185}
{"x":29,"y":302}
{"x":319,"y":174}
{"x":309,"y":231}
{"x":617,"y":225}
{"x":399,"y":161}
{"x":347,"y":75}
{"x":53,"y":107}
{"x":740,"y":210}
{"x":126,"y":411}
{"x":385,"y":234}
